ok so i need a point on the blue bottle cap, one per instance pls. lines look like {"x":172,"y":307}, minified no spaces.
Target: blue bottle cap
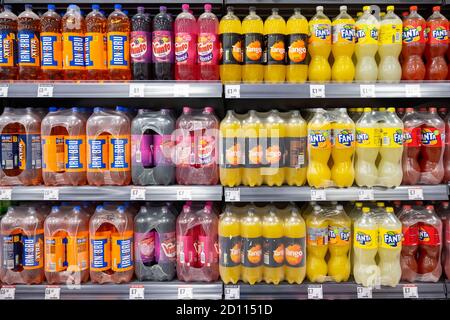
{"x":125,"y":12}
{"x":75,"y":109}
{"x":77,"y":208}
{"x":121,"y":209}
{"x":95,"y":7}
{"x":117,"y":6}
{"x":98,"y":109}
{"x":55,"y":208}
{"x":72,"y":6}
{"x":121,"y":109}
{"x":52,"y":109}
{"x":51,"y":7}
{"x":99,"y":207}
{"x":28,"y":6}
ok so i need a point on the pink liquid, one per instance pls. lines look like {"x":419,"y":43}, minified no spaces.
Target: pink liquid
{"x":208,"y":45}
{"x":186,"y":31}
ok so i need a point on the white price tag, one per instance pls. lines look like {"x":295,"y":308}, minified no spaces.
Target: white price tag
{"x":184,"y":194}
{"x":4,"y":91}
{"x":232,"y":194}
{"x":410,"y":291}
{"x":185,"y":293}
{"x":415,"y":193}
{"x":5,"y":194}
{"x":137,"y":90}
{"x":412,"y":90}
{"x":181,"y":90}
{"x":318,"y":195}
{"x":232,"y":293}
{"x":317,"y":90}
{"x":367,"y":90}
{"x":233,"y":91}
{"x":45,"y":91}
{"x":51,"y":194}
{"x":137,"y":293}
{"x":137,"y":194}
{"x":7,"y":293}
{"x":364,"y":292}
{"x":366,"y":194}
{"x":315,"y":292}
{"x":52,"y":293}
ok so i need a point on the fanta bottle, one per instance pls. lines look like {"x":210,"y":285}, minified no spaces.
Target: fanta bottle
{"x":186,"y":31}
{"x":231,"y":150}
{"x":28,"y":42}
{"x":111,"y":243}
{"x":367,"y":30}
{"x":230,"y":246}
{"x":118,"y":37}
{"x":295,"y":149}
{"x":252,"y":127}
{"x":253,"y":59}
{"x":74,"y":31}
{"x":51,"y":45}
{"x":390,"y":247}
{"x":275,"y":49}
{"x":390,"y":42}
{"x":208,"y":45}
{"x":252,"y":247}
{"x":317,"y":245}
{"x":95,"y":39}
{"x":66,"y":239}
{"x":437,"y":45}
{"x":230,"y":30}
{"x":275,"y":129}
{"x":339,"y":239}
{"x":413,"y":67}
{"x":8,"y":51}
{"x":273,"y":247}
{"x":295,"y":246}
{"x":343,"y":45}
{"x":297,"y":43}
{"x":64,"y":147}
{"x":319,"y":47}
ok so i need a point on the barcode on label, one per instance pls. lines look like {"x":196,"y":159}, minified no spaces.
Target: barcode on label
{"x":45,"y":91}
{"x":185,"y":293}
{"x":233,"y":91}
{"x":137,"y":91}
{"x":4,"y":91}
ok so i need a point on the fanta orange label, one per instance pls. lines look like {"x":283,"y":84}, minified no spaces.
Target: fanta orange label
{"x":51,"y":50}
{"x":100,"y":253}
{"x":95,"y":51}
{"x":118,"y":50}
{"x":73,"y":51}
{"x":122,"y":251}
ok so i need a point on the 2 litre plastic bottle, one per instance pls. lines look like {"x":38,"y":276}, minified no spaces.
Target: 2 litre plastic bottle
{"x":296,"y":47}
{"x":208,"y":46}
{"x":95,"y":46}
{"x":51,"y":45}
{"x":28,"y":29}
{"x":437,"y":45}
{"x":319,"y":47}
{"x":163,"y":46}
{"x":413,"y":67}
{"x":253,"y":30}
{"x":9,"y":50}
{"x":343,"y":45}
{"x":140,"y":45}
{"x":74,"y":31}
{"x":390,"y":48}
{"x":275,"y":50}
{"x":118,"y":37}
{"x":186,"y":31}
{"x":230,"y":30}
{"x":366,"y":47}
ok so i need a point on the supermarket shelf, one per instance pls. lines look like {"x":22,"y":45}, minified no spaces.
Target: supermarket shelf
{"x":131,"y":89}
{"x":152,"y":290}
{"x":113,"y":193}
{"x":254,"y":2}
{"x":281,"y":194}
{"x":109,"y":1}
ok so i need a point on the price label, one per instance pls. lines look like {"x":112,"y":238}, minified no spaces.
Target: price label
{"x":7,"y":293}
{"x":318,"y":195}
{"x":137,"y":194}
{"x":410,"y":292}
{"x":232,"y":293}
{"x":412,"y":90}
{"x":232,"y":194}
{"x":137,"y":90}
{"x":364,"y":292}
{"x":137,"y":293}
{"x":185,"y":293}
{"x":366,"y":194}
{"x":5,"y":194}
{"x":4,"y":91}
{"x":317,"y":91}
{"x":45,"y":91}
{"x":52,"y":293}
{"x":233,"y":91}
{"x":315,"y":292}
{"x":181,"y":90}
{"x":184,"y":194}
{"x":51,"y":194}
{"x":367,"y":90}
{"x":415,"y":193}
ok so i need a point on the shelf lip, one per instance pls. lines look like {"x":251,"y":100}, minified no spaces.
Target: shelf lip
{"x":246,"y":2}
{"x":110,"y":1}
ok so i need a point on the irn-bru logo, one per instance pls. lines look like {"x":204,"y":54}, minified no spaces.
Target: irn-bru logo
{"x":363,"y":238}
{"x":347,"y":32}
{"x":392,"y":239}
{"x":77,"y":51}
{"x":345,"y":138}
{"x":118,"y":50}
{"x":440,"y":33}
{"x":430,"y":137}
{"x":322,"y":32}
{"x":28,"y":47}
{"x":411,"y":34}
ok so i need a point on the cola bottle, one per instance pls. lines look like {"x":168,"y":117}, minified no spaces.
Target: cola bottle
{"x":140,"y":45}
{"x":162,"y":46}
{"x":410,"y":244}
{"x":411,"y":142}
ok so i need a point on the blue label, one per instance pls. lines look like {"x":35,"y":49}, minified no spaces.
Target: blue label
{"x":96,"y":155}
{"x":48,"y":51}
{"x":12,"y":251}
{"x":126,"y":260}
{"x":8,"y":50}
{"x":28,"y":47}
{"x":98,"y":253}
{"x":20,"y":151}
{"x":87,"y":51}
{"x":73,"y":160}
{"x":77,"y":51}
{"x":119,"y":153}
{"x":118,"y":50}
{"x":32,"y":253}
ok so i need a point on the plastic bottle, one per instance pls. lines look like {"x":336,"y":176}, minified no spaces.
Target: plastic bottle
{"x":273,"y":247}
{"x":447,"y":149}
{"x":343,"y":46}
{"x":29,"y":60}
{"x":108,"y":147}
{"x":413,"y":67}
{"x":319,"y":47}
{"x":410,"y":244}
{"x":231,"y":150}
{"x":339,"y":239}
{"x":96,"y":53}
{"x":366,"y":47}
{"x":140,"y":45}
{"x":67,"y":245}
{"x":412,"y":137}
{"x":295,"y":246}
{"x":230,"y":30}
{"x":295,"y":148}
{"x":155,"y":243}
{"x":229,"y":246}
{"x":162,"y":46}
{"x":51,"y":45}
{"x":111,"y":243}
{"x":447,"y":247}
{"x":317,"y":245}
{"x":186,"y":31}
{"x":297,"y":29}
{"x":437,"y":45}
{"x":253,"y":58}
{"x":275,"y":48}
{"x":273,"y":155}
{"x":118,"y":45}
{"x":252,"y":127}
{"x":252,"y":247}
{"x":208,"y":46}
{"x":64,"y":147}
{"x":389,"y":68}
{"x":9,"y":50}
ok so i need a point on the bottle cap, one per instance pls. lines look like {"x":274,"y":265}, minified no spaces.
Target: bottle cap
{"x":413,"y":8}
{"x":366,"y":8}
{"x":208,"y":110}
{"x":391,"y":110}
{"x":406,"y":207}
{"x":437,"y":8}
{"x":319,"y":8}
{"x":140,"y":9}
{"x":99,"y":207}
{"x":163,"y":8}
{"x":77,"y":208}
{"x":98,"y":109}
{"x":380,"y":204}
{"x":52,"y":109}
{"x":95,"y":7}
{"x":316,"y":208}
{"x":343,"y":8}
{"x":186,"y":109}
{"x":208,"y":7}
{"x":51,"y":7}
{"x":429,"y":207}
{"x":339,"y":207}
{"x":117,"y":6}
{"x":390,"y":210}
{"x":390,"y":8}
{"x":121,"y":109}
{"x":367,"y":109}
{"x":75,"y":109}
{"x":55,"y":208}
{"x":185,"y":7}
{"x":28,"y":6}
{"x":365,"y":210}
{"x":359,"y":204}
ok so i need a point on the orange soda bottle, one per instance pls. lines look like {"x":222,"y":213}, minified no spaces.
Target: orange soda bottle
{"x":51,"y":45}
{"x":297,"y":29}
{"x":8,"y":50}
{"x":28,"y":38}
{"x":95,"y":55}
{"x":274,"y":34}
{"x":118,"y":45}
{"x":253,"y":29}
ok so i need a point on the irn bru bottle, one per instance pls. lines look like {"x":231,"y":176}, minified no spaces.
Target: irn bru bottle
{"x":8,"y":51}
{"x":297,"y":43}
{"x":118,"y":37}
{"x":252,"y":128}
{"x":343,"y":46}
{"x":231,"y":150}
{"x":230,"y":246}
{"x":95,"y":55}
{"x":230,"y":30}
{"x":29,"y":49}
{"x":319,"y":47}
{"x":273,"y":247}
{"x":275,"y":51}
{"x":295,"y":148}
{"x":51,"y":45}
{"x":253,"y":29}
{"x":252,"y":247}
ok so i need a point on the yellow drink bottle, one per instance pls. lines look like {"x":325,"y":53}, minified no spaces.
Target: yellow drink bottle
{"x":252,"y":246}
{"x":297,"y":40}
{"x":274,"y":153}
{"x":251,"y":128}
{"x":253,"y":30}
{"x":230,"y":31}
{"x":319,"y":47}
{"x":343,"y":46}
{"x":295,"y":249}
{"x":317,"y":245}
{"x":319,"y":150}
{"x":273,"y":248}
{"x":274,"y":33}
{"x":231,"y":149}
{"x":229,"y":246}
{"x":343,"y":172}
{"x":295,"y":146}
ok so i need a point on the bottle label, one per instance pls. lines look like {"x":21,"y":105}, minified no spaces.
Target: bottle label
{"x":12,"y":250}
{"x":253,"y":48}
{"x":253,"y":153}
{"x":231,"y":153}
{"x":78,"y":251}
{"x":317,"y":236}
{"x":343,"y":31}
{"x":75,"y":153}
{"x":145,"y":246}
{"x":338,"y":236}
{"x":410,"y":235}
{"x":319,"y":139}
{"x":142,"y":149}
{"x":412,"y":137}
{"x":185,"y":49}
{"x":55,"y":254}
{"x":273,"y":155}
{"x":429,"y":235}
{"x":33,"y":250}
{"x":273,"y":252}
{"x":294,"y":253}
{"x":413,"y":32}
{"x":73,"y":51}
{"x":163,"y":149}
{"x":122,"y":251}
{"x":186,"y":252}
{"x":365,"y":239}
{"x":432,"y":137}
{"x":252,"y":252}
{"x":162,"y":47}
{"x":95,"y":51}
{"x":20,"y":151}
{"x":320,"y":31}
{"x":368,"y":137}
{"x":231,"y":48}
{"x":153,"y":246}
{"x":206,"y":251}
{"x":297,"y":48}
{"x":438,"y":32}
{"x":391,"y":34}
{"x":207,"y":48}
{"x":51,"y":51}
{"x":391,"y":137}
{"x":28,"y":48}
{"x":140,"y":47}
{"x":296,"y":152}
{"x":119,"y":153}
{"x":344,"y":138}
{"x":118,"y":50}
{"x":53,"y":150}
{"x":97,"y":153}
{"x":275,"y":49}
{"x":390,"y":239}
{"x":100,"y":251}
{"x":229,"y":251}
{"x":367,"y":34}
{"x":8,"y":48}
{"x":165,"y":249}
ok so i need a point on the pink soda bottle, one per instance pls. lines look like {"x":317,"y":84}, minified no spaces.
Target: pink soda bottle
{"x":208,"y":46}
{"x":186,"y":31}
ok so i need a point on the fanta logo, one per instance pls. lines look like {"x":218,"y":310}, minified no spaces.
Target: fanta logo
{"x":344,"y":235}
{"x":392,"y":238}
{"x":161,"y":47}
{"x":411,"y":34}
{"x":374,"y":33}
{"x":407,"y":137}
{"x":348,"y":32}
{"x":318,"y":139}
{"x":345,"y":138}
{"x":360,"y":34}
{"x":363,"y":238}
{"x":423,"y":235}
{"x":362,"y":137}
{"x":440,"y":34}
{"x":322,"y":32}
{"x":430,"y":137}
{"x":398,"y":136}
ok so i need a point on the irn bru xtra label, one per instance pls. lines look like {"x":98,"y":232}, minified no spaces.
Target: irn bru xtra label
{"x":391,"y":33}
{"x":432,"y":137}
{"x":368,"y":137}
{"x":320,"y":31}
{"x":29,"y":48}
{"x":8,"y":49}
{"x":253,"y":48}
{"x":73,"y":51}
{"x":122,"y":251}
{"x":429,"y":235}
{"x":365,"y":239}
{"x":367,"y":34}
{"x":100,"y":252}
{"x":51,"y":50}
{"x":297,"y":48}
{"x":319,"y":139}
{"x":413,"y":32}
{"x":33,"y":250}
{"x":391,"y":137}
{"x":343,"y":31}
{"x":118,"y":50}
{"x":438,"y":32}
{"x":95,"y":51}
{"x":390,"y":239}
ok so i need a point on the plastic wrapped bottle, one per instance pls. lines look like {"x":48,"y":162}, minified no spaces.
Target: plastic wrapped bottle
{"x":51,"y":45}
{"x":74,"y":31}
{"x":9,"y":50}
{"x":390,"y":43}
{"x":118,"y":36}
{"x":96,"y":53}
{"x":28,"y":29}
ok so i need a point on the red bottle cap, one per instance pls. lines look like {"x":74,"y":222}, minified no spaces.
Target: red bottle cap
{"x":437,"y":8}
{"x":406,"y":207}
{"x":409,"y":110}
{"x":432,"y":110}
{"x":405,"y":14}
{"x":430,"y":207}
{"x":413,"y":8}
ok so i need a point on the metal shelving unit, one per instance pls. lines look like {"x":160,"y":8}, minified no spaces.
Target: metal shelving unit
{"x":275,"y":2}
{"x":110,"y":1}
